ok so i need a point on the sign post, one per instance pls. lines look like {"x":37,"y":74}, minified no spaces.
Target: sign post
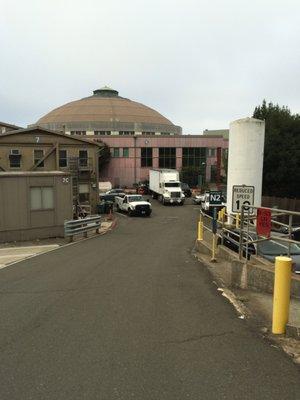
{"x":214,"y":231}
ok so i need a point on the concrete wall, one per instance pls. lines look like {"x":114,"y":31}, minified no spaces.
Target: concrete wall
{"x":17,"y":220}
{"x":258,"y":274}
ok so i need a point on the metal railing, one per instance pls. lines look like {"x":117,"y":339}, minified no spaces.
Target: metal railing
{"x":82,"y":226}
{"x":242,"y":231}
{"x":248,"y":217}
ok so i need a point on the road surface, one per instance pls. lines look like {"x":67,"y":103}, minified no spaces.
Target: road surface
{"x":131,"y":315}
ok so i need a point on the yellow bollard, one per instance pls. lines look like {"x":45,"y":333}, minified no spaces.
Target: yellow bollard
{"x":237,"y":221}
{"x":281,"y":297}
{"x":200,"y":230}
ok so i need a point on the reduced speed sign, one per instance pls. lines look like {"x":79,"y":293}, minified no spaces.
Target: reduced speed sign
{"x":242,"y":195}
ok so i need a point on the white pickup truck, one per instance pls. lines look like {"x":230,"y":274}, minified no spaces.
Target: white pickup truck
{"x":133,"y":204}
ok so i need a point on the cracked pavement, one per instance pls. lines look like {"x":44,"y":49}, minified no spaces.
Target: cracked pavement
{"x":131,"y":315}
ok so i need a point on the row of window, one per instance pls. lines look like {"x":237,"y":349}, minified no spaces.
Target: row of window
{"x":38,"y":158}
{"x":121,"y":133}
{"x":119,"y":152}
{"x":191,"y":156}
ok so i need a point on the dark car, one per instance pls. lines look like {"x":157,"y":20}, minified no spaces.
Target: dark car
{"x":295,"y":232}
{"x":111,"y":194}
{"x":268,"y":249}
{"x":186,"y":189}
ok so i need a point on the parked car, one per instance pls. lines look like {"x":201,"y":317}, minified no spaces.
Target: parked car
{"x":186,"y":189}
{"x":111,"y":194}
{"x":295,"y":232}
{"x":267,"y":249}
{"x":133,"y":204}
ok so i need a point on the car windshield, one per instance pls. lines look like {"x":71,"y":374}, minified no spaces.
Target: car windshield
{"x":134,"y":198}
{"x":172,"y":184}
{"x":271,"y":248}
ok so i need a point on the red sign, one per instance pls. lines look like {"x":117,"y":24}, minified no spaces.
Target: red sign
{"x":263,"y":222}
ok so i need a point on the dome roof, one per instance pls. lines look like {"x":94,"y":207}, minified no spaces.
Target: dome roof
{"x":104,"y":108}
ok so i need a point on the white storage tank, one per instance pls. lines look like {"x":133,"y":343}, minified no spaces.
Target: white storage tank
{"x":245,"y":163}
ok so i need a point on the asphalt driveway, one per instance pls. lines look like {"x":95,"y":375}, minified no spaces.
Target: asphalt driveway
{"x":131,"y":315}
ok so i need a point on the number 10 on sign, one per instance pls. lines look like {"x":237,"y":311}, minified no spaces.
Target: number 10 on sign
{"x":242,"y":195}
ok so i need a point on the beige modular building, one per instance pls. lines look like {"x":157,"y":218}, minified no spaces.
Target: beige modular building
{"x":34,"y":205}
{"x":38,"y":149}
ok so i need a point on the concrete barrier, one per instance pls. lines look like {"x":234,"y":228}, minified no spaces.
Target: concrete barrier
{"x":256,"y":274}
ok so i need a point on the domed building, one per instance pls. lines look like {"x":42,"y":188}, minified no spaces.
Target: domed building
{"x":106,"y":113}
{"x":139,"y":139}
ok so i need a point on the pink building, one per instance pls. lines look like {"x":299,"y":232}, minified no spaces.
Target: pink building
{"x":133,"y":156}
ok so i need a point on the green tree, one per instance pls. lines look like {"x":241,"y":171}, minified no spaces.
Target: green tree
{"x":281,"y":174}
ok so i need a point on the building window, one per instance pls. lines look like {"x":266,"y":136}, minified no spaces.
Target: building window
{"x":102,"y":133}
{"x":126,"y":133}
{"x":167,"y":157}
{"x":38,"y":155}
{"x":84,"y":193}
{"x":63,"y":160}
{"x":41,"y":198}
{"x":116,"y":152}
{"x":80,"y":133}
{"x":193,"y":165}
{"x":126,"y":152}
{"x":83,"y":158}
{"x":146,"y":157}
{"x":148,"y":133}
{"x":15,"y":158}
{"x":193,"y":157}
{"x":166,"y":133}
{"x":212,"y":152}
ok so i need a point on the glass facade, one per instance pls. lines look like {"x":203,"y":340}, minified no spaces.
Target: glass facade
{"x":146,"y":157}
{"x":194,"y":165}
{"x":193,"y":156}
{"x":167,"y":157}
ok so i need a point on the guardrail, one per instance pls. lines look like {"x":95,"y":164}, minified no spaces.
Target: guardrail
{"x":243,"y":226}
{"x":78,"y":226}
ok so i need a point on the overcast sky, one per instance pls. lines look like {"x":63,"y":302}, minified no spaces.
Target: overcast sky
{"x":200,"y":63}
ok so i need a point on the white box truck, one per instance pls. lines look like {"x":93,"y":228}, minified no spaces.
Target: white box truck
{"x":165,"y":186}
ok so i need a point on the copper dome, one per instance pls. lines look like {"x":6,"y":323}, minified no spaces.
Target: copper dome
{"x":105,"y":109}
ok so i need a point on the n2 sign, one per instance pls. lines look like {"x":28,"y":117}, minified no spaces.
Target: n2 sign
{"x":263,"y":222}
{"x":215,"y":198}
